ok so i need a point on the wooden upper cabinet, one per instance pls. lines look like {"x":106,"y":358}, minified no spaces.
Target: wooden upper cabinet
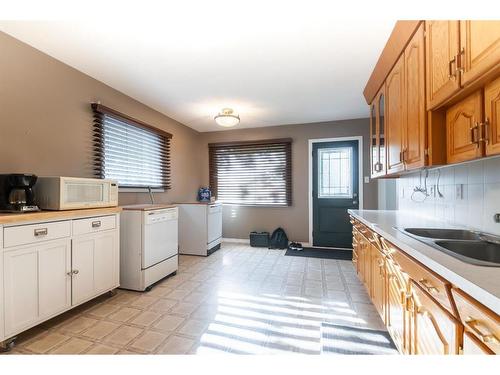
{"x":415,"y":132}
{"x":463,"y":129}
{"x":377,"y":134}
{"x":395,"y":117}
{"x":442,"y":48}
{"x":492,"y":117}
{"x":479,"y":48}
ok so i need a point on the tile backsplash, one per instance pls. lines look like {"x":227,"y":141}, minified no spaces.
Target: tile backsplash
{"x":464,"y":194}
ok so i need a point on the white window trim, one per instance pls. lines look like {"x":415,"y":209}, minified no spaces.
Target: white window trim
{"x":310,"y":173}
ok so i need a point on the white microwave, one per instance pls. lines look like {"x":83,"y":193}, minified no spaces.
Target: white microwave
{"x":71,"y":193}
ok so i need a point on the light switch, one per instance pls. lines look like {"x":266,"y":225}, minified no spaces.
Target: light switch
{"x":367,"y":179}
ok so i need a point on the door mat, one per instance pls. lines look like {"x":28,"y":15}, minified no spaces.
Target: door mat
{"x":315,"y":252}
{"x":340,"y":339}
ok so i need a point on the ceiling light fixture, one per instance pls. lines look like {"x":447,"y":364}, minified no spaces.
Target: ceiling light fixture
{"x":227,"y":118}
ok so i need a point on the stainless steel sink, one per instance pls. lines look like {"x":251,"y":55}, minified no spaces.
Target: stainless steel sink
{"x":482,"y":253}
{"x":445,"y":234}
{"x":469,"y":246}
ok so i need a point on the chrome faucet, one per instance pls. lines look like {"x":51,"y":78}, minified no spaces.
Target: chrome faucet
{"x":151,"y":195}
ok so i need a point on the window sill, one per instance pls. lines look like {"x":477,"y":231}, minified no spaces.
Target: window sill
{"x":256,"y":205}
{"x":139,"y":190}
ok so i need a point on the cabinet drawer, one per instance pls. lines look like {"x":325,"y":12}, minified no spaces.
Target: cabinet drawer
{"x":33,"y":233}
{"x":478,"y":320}
{"x":93,"y":224}
{"x":433,"y":284}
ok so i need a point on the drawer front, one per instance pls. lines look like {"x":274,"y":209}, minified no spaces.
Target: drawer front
{"x":433,"y":284}
{"x":93,"y":224}
{"x":478,"y":320}
{"x":34,"y":233}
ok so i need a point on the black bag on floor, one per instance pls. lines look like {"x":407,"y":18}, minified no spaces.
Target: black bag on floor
{"x":278,"y":239}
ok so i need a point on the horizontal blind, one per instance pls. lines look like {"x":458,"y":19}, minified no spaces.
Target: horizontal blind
{"x":256,"y":173}
{"x":133,"y":155}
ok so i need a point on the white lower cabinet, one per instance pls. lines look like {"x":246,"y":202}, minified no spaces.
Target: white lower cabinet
{"x":36,"y":283}
{"x":43,"y":279}
{"x":95,"y":259}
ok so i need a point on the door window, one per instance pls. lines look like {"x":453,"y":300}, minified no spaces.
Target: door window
{"x":335,"y":173}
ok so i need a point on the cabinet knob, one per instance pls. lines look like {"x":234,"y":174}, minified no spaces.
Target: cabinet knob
{"x":75,"y":272}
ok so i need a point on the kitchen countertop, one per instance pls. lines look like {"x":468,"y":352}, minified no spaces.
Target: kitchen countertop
{"x":14,"y":218}
{"x":480,"y":282}
{"x":147,"y":207}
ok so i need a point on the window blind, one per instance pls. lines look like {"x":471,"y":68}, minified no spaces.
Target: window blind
{"x":135,"y":154}
{"x":255,"y":173}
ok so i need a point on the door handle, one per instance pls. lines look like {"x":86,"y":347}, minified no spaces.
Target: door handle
{"x":354,"y":202}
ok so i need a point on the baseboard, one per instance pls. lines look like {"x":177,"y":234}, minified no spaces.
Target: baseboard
{"x":236,"y":240}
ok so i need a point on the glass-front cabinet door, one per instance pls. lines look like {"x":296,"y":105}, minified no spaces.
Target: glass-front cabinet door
{"x":377,"y":140}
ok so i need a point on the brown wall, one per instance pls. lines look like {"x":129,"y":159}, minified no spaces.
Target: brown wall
{"x":45,"y":121}
{"x":238,"y":221}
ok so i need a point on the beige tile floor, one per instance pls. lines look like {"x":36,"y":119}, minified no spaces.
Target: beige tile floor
{"x":239,"y":300}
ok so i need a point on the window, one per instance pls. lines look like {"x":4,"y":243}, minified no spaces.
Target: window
{"x":127,"y":150}
{"x":257,"y":173}
{"x":335,"y":177}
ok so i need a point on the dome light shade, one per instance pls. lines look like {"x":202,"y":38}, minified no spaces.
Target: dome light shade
{"x":227,"y":118}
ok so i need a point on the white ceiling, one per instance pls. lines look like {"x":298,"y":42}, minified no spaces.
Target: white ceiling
{"x":277,"y":67}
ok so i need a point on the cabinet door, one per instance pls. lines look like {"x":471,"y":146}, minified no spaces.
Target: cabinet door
{"x":442,"y":45}
{"x":105,"y":261}
{"x":395,"y":117}
{"x":374,"y":162}
{"x":396,"y":317}
{"x":434,"y":329}
{"x":36,"y":284}
{"x":492,"y":117}
{"x":462,"y":129}
{"x":378,"y":281}
{"x":21,"y":289}
{"x":54,"y":280}
{"x":95,"y":259}
{"x":415,"y":134}
{"x":473,"y":346}
{"x":83,"y":269}
{"x":480,"y":48}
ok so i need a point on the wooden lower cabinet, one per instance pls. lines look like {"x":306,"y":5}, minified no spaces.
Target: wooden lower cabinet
{"x":423,"y":312}
{"x":479,"y":322}
{"x":396,"y":307}
{"x":378,"y":287}
{"x":433,"y":329}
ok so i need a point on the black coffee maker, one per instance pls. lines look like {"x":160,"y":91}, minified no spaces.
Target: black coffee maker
{"x":16,"y":193}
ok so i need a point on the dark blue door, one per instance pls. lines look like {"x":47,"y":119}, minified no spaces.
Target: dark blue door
{"x":335,"y":190}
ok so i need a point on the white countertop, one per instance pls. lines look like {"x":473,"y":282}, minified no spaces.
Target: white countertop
{"x":480,"y":282}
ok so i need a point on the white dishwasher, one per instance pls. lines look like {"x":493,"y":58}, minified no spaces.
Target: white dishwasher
{"x":149,"y":244}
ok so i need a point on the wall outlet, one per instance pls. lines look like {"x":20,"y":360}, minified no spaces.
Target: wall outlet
{"x":459,"y":192}
{"x":367,"y":179}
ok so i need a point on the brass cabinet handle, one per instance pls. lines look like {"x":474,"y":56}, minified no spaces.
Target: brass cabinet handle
{"x":473,"y":134}
{"x":488,"y":337}
{"x":41,"y":232}
{"x":459,"y":61}
{"x":484,"y":126}
{"x":428,"y":286}
{"x":452,"y":74}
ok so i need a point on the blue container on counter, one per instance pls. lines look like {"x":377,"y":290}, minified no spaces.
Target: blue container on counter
{"x":204,"y":194}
